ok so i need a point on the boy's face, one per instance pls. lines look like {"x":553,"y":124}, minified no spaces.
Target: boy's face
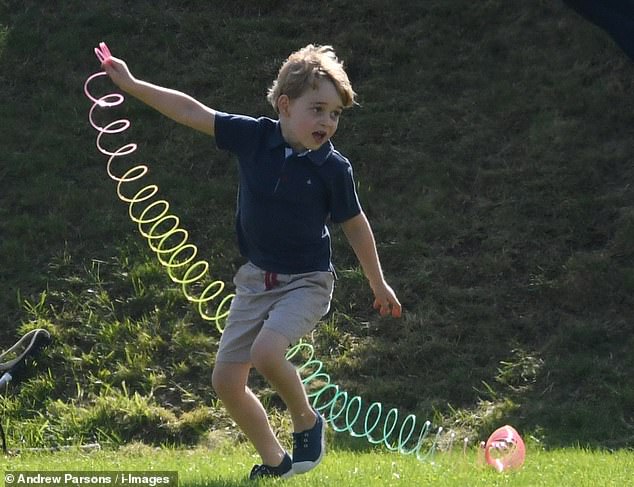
{"x":311,"y":119}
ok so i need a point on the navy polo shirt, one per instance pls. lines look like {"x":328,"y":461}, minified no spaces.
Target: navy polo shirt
{"x":285,"y":199}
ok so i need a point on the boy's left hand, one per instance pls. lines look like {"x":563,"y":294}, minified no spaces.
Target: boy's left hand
{"x":386,"y":302}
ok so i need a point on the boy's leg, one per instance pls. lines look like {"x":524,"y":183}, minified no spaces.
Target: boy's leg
{"x":230,"y":383}
{"x":268,"y":355}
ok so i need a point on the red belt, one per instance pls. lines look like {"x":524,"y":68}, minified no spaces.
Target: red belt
{"x":270,"y":280}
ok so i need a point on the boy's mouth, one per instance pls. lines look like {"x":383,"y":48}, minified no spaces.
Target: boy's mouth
{"x":319,"y":136}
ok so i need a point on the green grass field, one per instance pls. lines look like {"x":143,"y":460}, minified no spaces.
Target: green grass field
{"x":229,"y":466}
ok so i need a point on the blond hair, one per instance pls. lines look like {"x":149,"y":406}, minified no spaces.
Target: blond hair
{"x":305,"y":68}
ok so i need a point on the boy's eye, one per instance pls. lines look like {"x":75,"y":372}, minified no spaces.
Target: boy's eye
{"x":335,"y":115}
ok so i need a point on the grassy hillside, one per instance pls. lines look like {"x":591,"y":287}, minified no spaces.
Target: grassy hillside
{"x":492,"y":147}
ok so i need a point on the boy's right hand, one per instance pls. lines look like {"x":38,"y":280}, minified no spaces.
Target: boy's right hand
{"x":119,"y":73}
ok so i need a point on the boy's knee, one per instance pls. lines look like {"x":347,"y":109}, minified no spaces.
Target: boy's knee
{"x":263,"y":358}
{"x":218,"y":382}
{"x":225,"y":381}
{"x":259,"y":357}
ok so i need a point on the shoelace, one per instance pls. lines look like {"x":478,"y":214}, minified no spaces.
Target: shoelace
{"x":263,"y":471}
{"x":300,"y":440}
{"x":260,"y":470}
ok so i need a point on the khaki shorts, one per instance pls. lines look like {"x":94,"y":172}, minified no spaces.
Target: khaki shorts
{"x":289,"y":304}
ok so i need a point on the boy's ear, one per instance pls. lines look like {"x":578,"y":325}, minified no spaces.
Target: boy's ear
{"x":283,"y":103}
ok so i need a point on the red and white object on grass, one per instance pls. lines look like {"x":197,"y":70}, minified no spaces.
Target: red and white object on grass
{"x":505,"y":450}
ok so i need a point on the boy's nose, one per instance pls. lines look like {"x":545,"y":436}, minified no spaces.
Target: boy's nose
{"x":329,"y":121}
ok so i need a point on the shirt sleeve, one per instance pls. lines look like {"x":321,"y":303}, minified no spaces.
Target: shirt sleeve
{"x":235,"y":133}
{"x":344,"y":202}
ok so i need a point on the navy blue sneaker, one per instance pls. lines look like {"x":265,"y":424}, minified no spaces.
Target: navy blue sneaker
{"x":309,"y":446}
{"x":283,"y":470}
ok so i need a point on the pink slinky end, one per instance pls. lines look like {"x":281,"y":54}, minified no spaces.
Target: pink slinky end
{"x":505,"y":449}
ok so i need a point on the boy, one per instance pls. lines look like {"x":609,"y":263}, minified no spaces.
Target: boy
{"x":292,"y":181}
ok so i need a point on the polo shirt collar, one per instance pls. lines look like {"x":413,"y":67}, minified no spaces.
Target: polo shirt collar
{"x":317,"y":157}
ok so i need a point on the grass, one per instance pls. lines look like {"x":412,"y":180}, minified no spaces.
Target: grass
{"x":229,"y":467}
{"x":492,"y":151}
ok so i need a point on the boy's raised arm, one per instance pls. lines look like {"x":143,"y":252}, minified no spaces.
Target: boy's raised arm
{"x":176,"y":105}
